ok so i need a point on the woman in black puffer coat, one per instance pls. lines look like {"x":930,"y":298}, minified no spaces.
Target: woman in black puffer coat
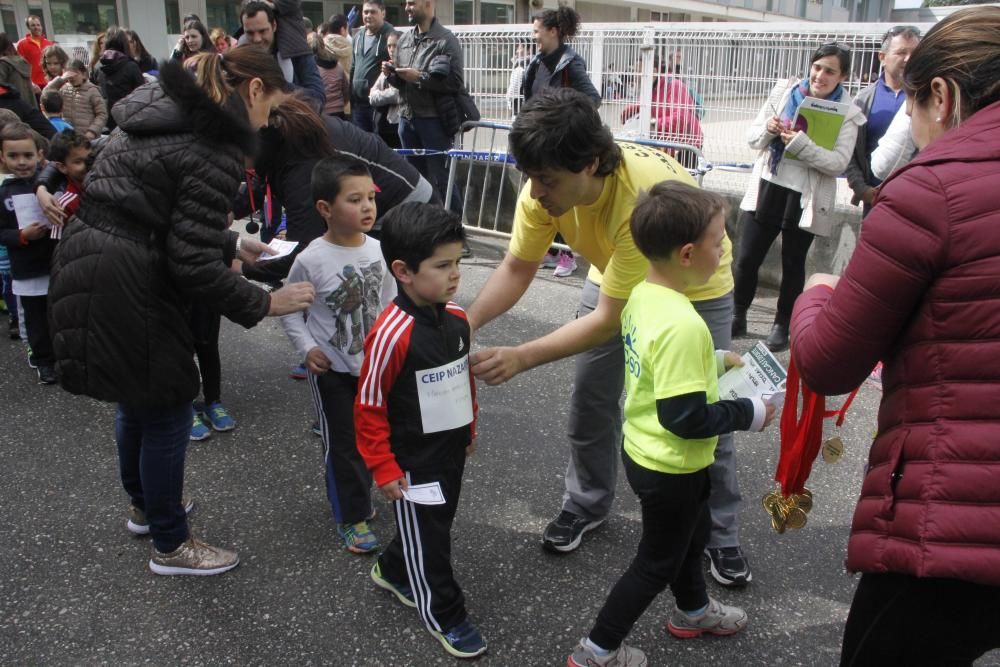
{"x":149,"y":239}
{"x":119,"y":74}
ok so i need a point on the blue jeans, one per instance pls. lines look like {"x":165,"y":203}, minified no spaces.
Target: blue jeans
{"x":151,"y":447}
{"x":362,"y":114}
{"x":429,"y":134}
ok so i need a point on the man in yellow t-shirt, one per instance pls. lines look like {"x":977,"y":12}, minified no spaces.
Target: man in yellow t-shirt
{"x":583,"y":185}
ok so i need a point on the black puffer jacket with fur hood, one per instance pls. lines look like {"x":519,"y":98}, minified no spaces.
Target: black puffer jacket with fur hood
{"x":149,"y":239}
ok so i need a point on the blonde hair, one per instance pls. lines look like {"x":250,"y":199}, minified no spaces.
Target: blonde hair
{"x":963,"y":50}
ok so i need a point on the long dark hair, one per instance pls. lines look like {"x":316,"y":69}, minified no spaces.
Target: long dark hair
{"x":295,"y":133}
{"x":206,"y":41}
{"x":141,"y":52}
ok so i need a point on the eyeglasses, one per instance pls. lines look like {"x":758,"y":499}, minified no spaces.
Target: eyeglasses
{"x":895,"y":31}
{"x":843,"y":48}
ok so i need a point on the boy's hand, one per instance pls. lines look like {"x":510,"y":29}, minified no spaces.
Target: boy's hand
{"x":471,"y":449}
{"x":34,"y":231}
{"x":53,"y":212}
{"x":731,"y":360}
{"x":769,"y":410}
{"x":316,"y":361}
{"x":394,"y":489}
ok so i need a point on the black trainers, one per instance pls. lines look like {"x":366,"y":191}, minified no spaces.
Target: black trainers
{"x":729,"y":566}
{"x":46,"y":374}
{"x":565,"y":532}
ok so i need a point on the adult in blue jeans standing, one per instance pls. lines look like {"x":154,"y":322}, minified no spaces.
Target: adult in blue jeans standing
{"x":428,"y":64}
{"x":149,"y":240}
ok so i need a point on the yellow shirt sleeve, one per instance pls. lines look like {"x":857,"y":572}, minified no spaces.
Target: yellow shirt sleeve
{"x":534,"y":229}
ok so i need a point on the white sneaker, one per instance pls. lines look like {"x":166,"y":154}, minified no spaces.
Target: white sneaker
{"x":550,"y":261}
{"x":566,"y":266}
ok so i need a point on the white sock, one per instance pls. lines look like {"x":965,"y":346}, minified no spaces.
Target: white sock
{"x":598,"y":651}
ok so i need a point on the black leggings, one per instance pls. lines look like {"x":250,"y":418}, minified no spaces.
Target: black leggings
{"x":898,"y":619}
{"x":755,"y":240}
{"x":205,"y":327}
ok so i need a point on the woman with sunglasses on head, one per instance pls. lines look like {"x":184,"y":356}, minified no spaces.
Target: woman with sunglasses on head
{"x":921,"y":294}
{"x":793,"y":187}
{"x":150,"y":239}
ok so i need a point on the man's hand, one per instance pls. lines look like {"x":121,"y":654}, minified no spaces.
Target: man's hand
{"x":822,"y":279}
{"x":408,"y":74}
{"x":731,"y":360}
{"x":292,"y":298}
{"x":251,"y":249}
{"x":34,"y":231}
{"x":496,"y":365}
{"x":471,"y":449}
{"x":317,"y":362}
{"x":394,"y":489}
{"x":53,"y":212}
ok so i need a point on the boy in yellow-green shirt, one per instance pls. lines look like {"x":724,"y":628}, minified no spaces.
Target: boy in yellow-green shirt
{"x":673,"y":417}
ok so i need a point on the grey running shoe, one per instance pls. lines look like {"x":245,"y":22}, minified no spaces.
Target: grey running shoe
{"x":137,"y":523}
{"x":718,"y":619}
{"x":625,"y":656}
{"x":194,"y":557}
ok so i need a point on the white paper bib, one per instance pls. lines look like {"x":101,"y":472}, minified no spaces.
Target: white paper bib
{"x":445,"y":396}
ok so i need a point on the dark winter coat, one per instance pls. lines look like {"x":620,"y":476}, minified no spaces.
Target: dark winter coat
{"x":119,"y":75}
{"x":26,"y":111}
{"x":570,"y":72}
{"x":289,"y":176}
{"x":922,"y":294}
{"x":150,"y":238}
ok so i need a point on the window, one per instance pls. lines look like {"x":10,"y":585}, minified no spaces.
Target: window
{"x":495,"y":12}
{"x":8,"y":21}
{"x":87,"y":17}
{"x":223,"y":14}
{"x":654,"y":16}
{"x":464,"y":12}
{"x":173,"y":10}
{"x":314,"y":12}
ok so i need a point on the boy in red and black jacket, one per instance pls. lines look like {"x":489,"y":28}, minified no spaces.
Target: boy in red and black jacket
{"x":415,"y":418}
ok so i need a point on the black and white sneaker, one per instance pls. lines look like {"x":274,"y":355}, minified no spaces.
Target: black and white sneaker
{"x":565,"y":532}
{"x":46,"y":374}
{"x":729,"y":566}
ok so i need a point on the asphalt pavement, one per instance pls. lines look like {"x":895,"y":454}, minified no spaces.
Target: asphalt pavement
{"x":75,"y":588}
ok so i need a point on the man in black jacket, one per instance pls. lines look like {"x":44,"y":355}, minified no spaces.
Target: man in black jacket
{"x":428,"y":64}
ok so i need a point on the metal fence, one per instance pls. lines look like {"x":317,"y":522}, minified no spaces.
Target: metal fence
{"x":729,"y":66}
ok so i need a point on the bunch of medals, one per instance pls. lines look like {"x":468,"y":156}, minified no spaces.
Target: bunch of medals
{"x":791,"y":511}
{"x":788,"y":511}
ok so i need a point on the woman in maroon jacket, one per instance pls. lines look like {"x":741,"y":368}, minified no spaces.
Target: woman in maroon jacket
{"x":922,"y":293}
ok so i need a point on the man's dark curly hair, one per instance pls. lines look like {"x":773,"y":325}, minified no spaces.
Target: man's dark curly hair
{"x":559,"y":128}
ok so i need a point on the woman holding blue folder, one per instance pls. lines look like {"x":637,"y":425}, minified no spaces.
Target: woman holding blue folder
{"x":794,"y":183}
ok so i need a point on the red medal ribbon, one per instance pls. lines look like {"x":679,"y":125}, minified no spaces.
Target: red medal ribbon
{"x":801,"y":436}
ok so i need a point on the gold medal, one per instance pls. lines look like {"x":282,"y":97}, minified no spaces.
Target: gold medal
{"x":796,"y":518}
{"x":804,"y":501}
{"x":833,"y":449}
